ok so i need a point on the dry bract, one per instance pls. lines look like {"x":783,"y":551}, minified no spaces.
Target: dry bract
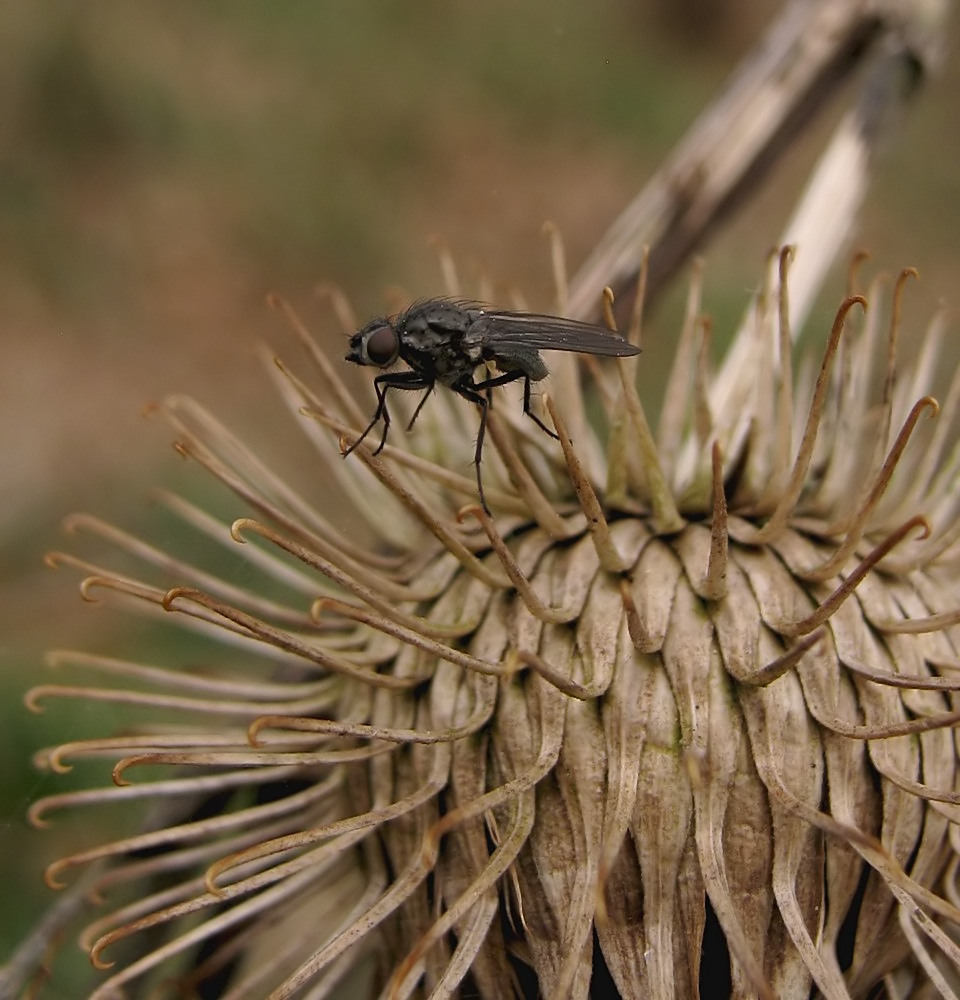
{"x":678,"y":717}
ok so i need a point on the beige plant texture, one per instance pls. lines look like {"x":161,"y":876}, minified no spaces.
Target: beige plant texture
{"x":676,"y":719}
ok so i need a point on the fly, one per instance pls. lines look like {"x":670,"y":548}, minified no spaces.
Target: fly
{"x":446,"y":341}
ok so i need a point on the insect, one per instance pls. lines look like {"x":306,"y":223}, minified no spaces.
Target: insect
{"x":446,"y":341}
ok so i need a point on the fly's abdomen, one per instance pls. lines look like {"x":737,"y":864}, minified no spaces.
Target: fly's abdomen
{"x":517,"y":359}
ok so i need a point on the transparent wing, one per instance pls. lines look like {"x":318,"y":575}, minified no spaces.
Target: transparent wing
{"x":506,"y":331}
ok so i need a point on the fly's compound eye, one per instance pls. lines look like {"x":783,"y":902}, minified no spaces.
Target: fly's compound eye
{"x":382,"y":346}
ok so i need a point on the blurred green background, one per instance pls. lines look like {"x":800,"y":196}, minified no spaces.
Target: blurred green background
{"x":163,"y":165}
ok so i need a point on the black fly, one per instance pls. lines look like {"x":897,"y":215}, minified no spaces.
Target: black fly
{"x":445,"y":341}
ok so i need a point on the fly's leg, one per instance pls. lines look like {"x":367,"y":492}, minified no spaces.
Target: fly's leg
{"x":468,"y":390}
{"x":491,"y":383}
{"x":532,"y":415}
{"x":416,"y":412}
{"x":381,"y":385}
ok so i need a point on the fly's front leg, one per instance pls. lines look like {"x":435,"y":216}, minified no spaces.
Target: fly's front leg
{"x":381,"y":411}
{"x":381,"y":384}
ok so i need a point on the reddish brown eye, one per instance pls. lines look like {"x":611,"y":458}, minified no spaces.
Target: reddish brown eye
{"x":382,"y":346}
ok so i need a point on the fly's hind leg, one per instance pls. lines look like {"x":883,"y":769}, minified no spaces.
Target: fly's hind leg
{"x":466,"y":388}
{"x":532,"y":415}
{"x":512,"y":376}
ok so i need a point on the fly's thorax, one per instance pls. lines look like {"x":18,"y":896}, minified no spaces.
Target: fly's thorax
{"x":440,"y":340}
{"x":442,"y":354}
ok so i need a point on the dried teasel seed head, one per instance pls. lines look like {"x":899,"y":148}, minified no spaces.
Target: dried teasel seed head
{"x":676,"y":720}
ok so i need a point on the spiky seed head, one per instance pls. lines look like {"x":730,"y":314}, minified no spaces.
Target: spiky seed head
{"x":677,"y":718}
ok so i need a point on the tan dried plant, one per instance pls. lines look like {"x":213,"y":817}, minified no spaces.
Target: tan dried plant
{"x":677,"y":720}
{"x":679,"y":714}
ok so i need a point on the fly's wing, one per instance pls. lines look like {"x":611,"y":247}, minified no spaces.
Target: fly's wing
{"x":504,"y":332}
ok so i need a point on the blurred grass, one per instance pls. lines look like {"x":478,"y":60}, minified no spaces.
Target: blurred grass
{"x":164,"y":164}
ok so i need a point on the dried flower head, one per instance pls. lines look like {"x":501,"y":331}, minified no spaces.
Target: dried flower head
{"x":677,"y":718}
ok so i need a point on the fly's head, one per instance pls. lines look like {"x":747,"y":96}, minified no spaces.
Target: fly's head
{"x":377,"y":344}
